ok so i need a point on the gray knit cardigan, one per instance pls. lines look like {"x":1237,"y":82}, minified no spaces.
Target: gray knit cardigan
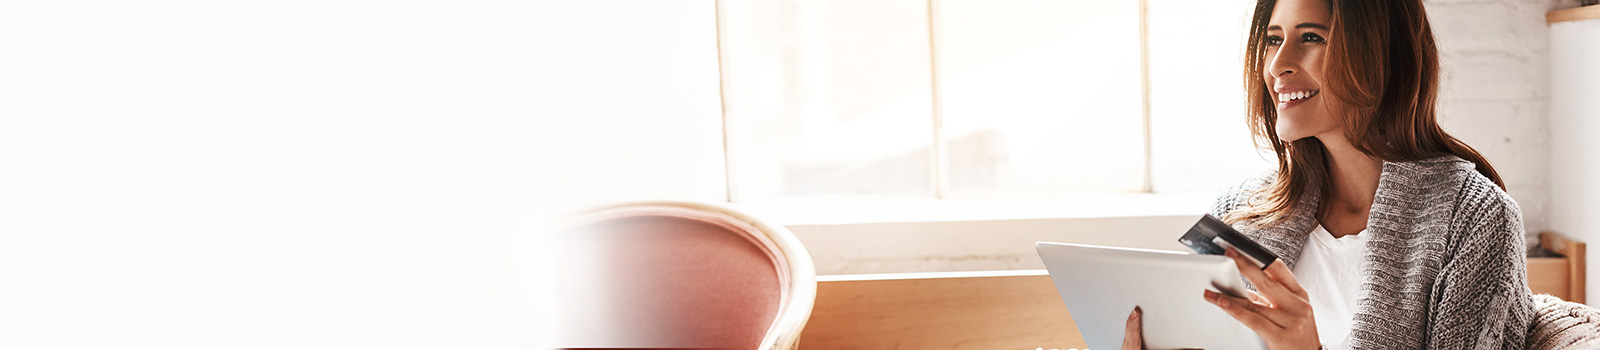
{"x":1446,"y":265}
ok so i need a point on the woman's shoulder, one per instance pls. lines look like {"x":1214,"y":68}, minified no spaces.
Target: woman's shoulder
{"x":1449,"y":179}
{"x":1478,"y":207}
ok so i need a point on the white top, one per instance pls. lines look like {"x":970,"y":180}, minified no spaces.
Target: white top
{"x":1331,"y":271}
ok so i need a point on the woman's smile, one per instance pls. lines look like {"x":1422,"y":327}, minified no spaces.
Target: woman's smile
{"x":1289,"y":98}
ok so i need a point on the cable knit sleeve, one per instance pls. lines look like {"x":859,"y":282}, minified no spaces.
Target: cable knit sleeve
{"x":1480,"y":298}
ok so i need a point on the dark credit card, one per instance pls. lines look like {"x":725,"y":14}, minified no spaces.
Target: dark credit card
{"x":1211,"y":236}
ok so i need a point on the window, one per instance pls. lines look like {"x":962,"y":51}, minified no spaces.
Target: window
{"x":982,"y":98}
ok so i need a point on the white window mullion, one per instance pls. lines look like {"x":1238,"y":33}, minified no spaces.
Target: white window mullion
{"x":1144,"y":91}
{"x":722,"y":97}
{"x":940,"y":164}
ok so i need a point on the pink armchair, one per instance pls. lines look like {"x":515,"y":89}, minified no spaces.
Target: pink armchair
{"x":683,"y":275}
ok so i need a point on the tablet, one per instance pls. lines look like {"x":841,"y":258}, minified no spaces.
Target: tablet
{"x":1101,"y":285}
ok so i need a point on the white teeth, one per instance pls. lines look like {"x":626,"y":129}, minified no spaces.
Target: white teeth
{"x":1297,"y":95}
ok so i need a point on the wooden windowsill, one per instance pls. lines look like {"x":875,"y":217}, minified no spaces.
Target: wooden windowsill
{"x":955,"y":310}
{"x":1573,"y":14}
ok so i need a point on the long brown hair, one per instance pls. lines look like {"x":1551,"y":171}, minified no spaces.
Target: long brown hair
{"x":1381,"y":61}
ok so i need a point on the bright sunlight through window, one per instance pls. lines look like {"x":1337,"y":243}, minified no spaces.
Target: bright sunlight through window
{"x":982,"y":98}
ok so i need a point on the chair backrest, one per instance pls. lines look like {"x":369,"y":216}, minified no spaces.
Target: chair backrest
{"x":683,"y":274}
{"x":1563,"y":325}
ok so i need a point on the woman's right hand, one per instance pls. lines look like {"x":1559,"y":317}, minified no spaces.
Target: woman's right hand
{"x":1133,"y":333}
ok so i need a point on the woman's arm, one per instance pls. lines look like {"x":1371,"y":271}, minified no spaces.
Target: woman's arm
{"x":1481,"y":298}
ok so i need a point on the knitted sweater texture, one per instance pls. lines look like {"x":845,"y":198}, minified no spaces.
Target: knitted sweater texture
{"x":1446,"y":265}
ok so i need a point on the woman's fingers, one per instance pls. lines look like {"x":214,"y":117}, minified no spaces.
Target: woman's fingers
{"x":1255,"y":303}
{"x":1275,"y":293}
{"x":1256,"y":297}
{"x":1133,"y":332}
{"x":1280,"y":273}
{"x":1248,"y":313}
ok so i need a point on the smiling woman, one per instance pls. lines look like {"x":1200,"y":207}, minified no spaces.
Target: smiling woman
{"x":1392,"y":233}
{"x":1288,"y":64}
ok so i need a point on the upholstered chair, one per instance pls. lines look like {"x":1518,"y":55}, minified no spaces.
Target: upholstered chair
{"x":1564,"y":325}
{"x":681,"y":275}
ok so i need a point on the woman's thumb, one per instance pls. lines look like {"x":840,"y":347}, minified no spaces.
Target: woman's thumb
{"x":1133,"y":333}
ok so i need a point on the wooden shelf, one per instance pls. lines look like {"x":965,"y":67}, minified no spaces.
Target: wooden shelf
{"x":1573,"y":14}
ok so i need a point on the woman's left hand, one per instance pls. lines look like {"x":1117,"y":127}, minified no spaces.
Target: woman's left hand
{"x":1280,"y":314}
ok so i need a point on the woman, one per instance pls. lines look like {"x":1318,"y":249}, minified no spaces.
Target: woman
{"x":1392,"y":234}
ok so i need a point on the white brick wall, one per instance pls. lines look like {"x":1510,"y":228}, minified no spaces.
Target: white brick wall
{"x":1563,"y":4}
{"x":1495,"y":58}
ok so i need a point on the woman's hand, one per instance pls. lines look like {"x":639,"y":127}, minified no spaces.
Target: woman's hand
{"x":1280,"y":313}
{"x":1132,"y":333}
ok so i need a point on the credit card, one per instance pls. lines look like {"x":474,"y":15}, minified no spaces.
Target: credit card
{"x":1212,"y":236}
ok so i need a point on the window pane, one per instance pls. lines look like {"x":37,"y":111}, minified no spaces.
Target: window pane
{"x":1040,"y":98}
{"x":1200,"y":141}
{"x":827,"y":97}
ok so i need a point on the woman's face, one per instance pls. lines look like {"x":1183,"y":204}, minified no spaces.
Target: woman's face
{"x":1296,"y":40}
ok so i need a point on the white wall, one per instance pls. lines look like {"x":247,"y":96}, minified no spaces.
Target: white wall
{"x":343,"y":173}
{"x":1575,"y":155}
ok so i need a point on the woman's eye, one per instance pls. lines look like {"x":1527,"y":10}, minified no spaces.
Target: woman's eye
{"x":1274,"y":40}
{"x":1310,"y":38}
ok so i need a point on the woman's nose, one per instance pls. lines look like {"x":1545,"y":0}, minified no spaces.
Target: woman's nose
{"x":1285,"y":61}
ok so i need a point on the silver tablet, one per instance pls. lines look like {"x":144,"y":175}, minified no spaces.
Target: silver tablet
{"x":1101,"y":285}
